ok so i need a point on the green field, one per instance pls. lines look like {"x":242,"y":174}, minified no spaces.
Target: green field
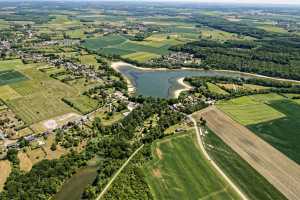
{"x":83,"y":104}
{"x":216,"y":89}
{"x":11,"y":76}
{"x":141,"y":56}
{"x":101,"y":42}
{"x":272,"y":117}
{"x":252,"y":184}
{"x":282,"y":133}
{"x":39,"y":97}
{"x":11,"y":64}
{"x":180,"y":171}
{"x":249,"y":110}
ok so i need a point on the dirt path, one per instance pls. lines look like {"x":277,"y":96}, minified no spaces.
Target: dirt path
{"x":117,"y":173}
{"x":279,"y":170}
{"x":199,"y":140}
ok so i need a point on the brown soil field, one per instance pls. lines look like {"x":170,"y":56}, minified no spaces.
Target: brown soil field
{"x":279,"y":170}
{"x":5,"y":169}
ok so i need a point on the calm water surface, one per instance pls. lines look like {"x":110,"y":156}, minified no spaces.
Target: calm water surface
{"x":164,"y":83}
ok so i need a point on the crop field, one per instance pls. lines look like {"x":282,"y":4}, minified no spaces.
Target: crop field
{"x":116,"y":51}
{"x":222,"y":36}
{"x":278,"y":169}
{"x":141,"y":56}
{"x":7,"y":93}
{"x":11,"y":76}
{"x":216,"y":89}
{"x":272,"y":28}
{"x":282,"y":133}
{"x":75,"y":34}
{"x":83,"y":104}
{"x":180,"y":171}
{"x":254,"y":185}
{"x":11,"y":64}
{"x":98,"y":43}
{"x":272,"y":117}
{"x":88,"y":60}
{"x":5,"y":169}
{"x":38,"y":98}
{"x":245,"y":109}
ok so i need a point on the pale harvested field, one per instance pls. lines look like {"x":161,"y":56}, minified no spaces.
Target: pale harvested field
{"x":5,"y":169}
{"x":25,"y":162}
{"x":279,"y":170}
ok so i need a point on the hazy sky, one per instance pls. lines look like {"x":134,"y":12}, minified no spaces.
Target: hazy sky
{"x":244,"y":1}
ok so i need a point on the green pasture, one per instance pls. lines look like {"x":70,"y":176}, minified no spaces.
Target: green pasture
{"x":180,"y":171}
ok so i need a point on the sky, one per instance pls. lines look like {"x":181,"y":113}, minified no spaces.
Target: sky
{"x":243,"y":1}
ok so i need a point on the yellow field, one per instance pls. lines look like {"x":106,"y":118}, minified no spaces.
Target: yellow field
{"x":141,"y":56}
{"x":5,"y":169}
{"x":8,"y":93}
{"x":25,"y":162}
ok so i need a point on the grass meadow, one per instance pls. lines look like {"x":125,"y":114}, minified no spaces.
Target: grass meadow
{"x":180,"y":171}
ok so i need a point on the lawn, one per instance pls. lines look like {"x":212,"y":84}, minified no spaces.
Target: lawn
{"x":141,"y":56}
{"x":255,"y":186}
{"x":216,"y":89}
{"x":180,"y":171}
{"x":250,"y":110}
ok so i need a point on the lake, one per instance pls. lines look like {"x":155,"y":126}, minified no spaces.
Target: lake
{"x":164,"y":83}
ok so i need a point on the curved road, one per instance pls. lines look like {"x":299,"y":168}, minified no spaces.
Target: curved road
{"x":199,"y":140}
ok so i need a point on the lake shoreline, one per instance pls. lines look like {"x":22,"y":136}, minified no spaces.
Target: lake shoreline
{"x":118,"y":64}
{"x":186,"y":86}
{"x":132,"y":85}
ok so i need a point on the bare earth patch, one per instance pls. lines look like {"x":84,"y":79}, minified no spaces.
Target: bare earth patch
{"x":278,"y":169}
{"x":25,"y":162}
{"x":156,"y":173}
{"x":5,"y":169}
{"x":158,"y":153}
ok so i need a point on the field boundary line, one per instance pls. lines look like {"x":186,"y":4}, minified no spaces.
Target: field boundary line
{"x":117,"y":173}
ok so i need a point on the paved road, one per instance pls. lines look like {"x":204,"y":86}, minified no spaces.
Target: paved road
{"x":117,"y":173}
{"x":199,"y":134}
